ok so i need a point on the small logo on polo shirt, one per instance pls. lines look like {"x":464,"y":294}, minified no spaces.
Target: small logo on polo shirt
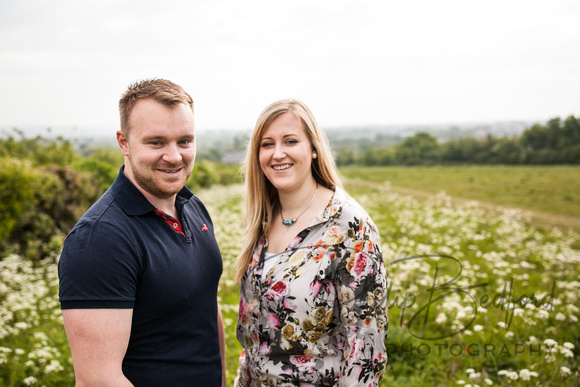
{"x":204,"y":228}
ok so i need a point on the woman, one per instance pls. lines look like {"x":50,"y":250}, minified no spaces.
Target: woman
{"x":313,"y":308}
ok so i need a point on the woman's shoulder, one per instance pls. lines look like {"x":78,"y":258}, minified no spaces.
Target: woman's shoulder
{"x":350,"y":207}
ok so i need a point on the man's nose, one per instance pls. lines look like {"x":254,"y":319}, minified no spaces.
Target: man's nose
{"x":172,"y":154}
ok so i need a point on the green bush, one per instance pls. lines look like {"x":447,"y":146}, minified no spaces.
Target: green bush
{"x":39,"y":150}
{"x":207,"y":173}
{"x":39,"y":205}
{"x":45,"y":188}
{"x":14,"y":199}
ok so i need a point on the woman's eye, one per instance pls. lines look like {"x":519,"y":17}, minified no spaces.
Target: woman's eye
{"x":267,"y":144}
{"x":292,"y":141}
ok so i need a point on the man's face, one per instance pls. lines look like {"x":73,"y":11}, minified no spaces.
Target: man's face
{"x":159,"y":148}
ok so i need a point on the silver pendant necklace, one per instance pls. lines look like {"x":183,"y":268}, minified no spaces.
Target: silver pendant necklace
{"x":290,"y":222}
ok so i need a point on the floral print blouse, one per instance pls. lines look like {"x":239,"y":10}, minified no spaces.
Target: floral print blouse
{"x":319,"y":317}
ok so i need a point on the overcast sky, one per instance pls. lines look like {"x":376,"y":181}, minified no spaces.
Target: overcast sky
{"x":64,"y":64}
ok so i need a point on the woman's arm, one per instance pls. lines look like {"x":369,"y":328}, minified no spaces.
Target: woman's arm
{"x":362,"y":293}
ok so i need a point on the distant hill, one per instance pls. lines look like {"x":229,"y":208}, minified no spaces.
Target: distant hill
{"x":235,"y":140}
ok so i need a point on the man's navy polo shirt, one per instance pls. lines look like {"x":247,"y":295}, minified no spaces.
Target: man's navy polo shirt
{"x":122,"y":255}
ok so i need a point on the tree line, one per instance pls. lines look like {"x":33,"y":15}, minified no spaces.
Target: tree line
{"x":556,"y":142}
{"x":47,"y":184}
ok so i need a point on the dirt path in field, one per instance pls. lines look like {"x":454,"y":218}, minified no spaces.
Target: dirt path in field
{"x":539,"y":219}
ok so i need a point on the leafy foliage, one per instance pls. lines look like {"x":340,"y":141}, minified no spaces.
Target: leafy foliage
{"x":556,"y":142}
{"x":45,"y":187}
{"x":38,"y":206}
{"x":38,"y":150}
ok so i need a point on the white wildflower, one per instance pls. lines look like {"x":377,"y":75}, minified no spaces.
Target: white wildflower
{"x":474,"y":375}
{"x":565,"y":371}
{"x":29,"y":381}
{"x":543,"y":314}
{"x":21,"y":325}
{"x":526,"y":374}
{"x":441,"y":318}
{"x":509,"y":374}
{"x":53,"y":366}
{"x":566,"y":352}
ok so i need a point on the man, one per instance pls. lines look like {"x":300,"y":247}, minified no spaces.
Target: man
{"x":139,"y":272}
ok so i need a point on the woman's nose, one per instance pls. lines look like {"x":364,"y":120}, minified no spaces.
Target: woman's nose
{"x":279,"y":152}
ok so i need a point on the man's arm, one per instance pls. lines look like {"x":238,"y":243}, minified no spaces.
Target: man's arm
{"x":98,"y":339}
{"x":222,"y":336}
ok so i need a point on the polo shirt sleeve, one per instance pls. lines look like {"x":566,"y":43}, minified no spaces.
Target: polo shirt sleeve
{"x":98,"y":268}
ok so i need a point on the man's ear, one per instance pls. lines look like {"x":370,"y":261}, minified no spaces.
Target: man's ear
{"x":123,"y":142}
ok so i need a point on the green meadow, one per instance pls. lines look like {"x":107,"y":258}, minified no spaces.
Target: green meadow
{"x":552,"y":193}
{"x":478,"y":293}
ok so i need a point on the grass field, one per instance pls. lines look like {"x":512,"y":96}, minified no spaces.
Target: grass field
{"x":552,"y":192}
{"x":502,"y":309}
{"x":477,"y":295}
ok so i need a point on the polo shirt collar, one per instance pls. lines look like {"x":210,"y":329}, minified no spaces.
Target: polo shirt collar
{"x":132,"y":200}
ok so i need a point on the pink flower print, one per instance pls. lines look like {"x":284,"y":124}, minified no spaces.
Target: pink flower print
{"x":241,"y":309}
{"x":356,"y":348}
{"x":303,"y":362}
{"x":274,"y":320}
{"x":289,"y":306}
{"x":315,"y":288}
{"x":279,"y":289}
{"x":360,"y":264}
{"x":333,"y":236}
{"x":295,"y":242}
{"x":301,"y":359}
{"x":264,"y":349}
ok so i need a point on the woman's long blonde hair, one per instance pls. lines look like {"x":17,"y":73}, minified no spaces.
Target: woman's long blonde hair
{"x":260,"y":196}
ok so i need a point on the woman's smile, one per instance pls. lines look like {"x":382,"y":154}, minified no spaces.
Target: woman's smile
{"x":282,"y":167}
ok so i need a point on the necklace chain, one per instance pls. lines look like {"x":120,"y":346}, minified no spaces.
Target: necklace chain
{"x":290,"y":222}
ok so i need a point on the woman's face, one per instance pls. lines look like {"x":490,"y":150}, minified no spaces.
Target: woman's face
{"x":286,"y":153}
